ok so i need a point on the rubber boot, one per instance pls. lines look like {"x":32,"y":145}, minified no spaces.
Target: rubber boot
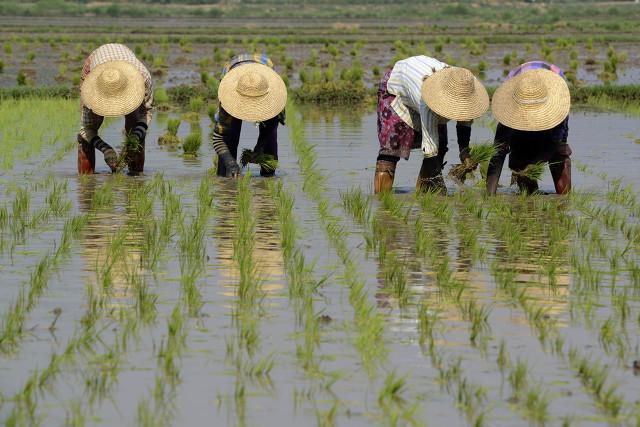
{"x":385,"y":173}
{"x":430,"y":177}
{"x":86,"y":157}
{"x":135,"y":161}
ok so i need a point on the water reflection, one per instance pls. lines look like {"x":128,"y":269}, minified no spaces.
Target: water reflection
{"x":111,"y":240}
{"x":267,"y":253}
{"x":542,"y":266}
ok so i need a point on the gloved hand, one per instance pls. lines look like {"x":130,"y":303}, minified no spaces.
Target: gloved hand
{"x":110,"y":156}
{"x":231,"y":166}
{"x":111,"y":159}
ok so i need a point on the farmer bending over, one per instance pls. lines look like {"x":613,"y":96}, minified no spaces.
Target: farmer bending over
{"x":416,"y":99}
{"x":114,"y":83}
{"x":249,"y":90}
{"x":532,"y":108}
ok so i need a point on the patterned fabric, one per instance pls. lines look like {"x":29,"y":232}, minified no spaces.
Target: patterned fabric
{"x":224,"y":123}
{"x":534,"y":65}
{"x":246,"y":57}
{"x":396,"y":137}
{"x":405,"y":82}
{"x":91,"y":122}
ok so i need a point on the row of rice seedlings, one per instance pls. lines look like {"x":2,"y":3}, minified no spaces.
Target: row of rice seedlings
{"x":159,"y":408}
{"x":302,"y":290}
{"x":368,"y":323}
{"x":243,"y":348}
{"x":12,"y":327}
{"x":450,"y":287}
{"x":536,"y":316}
{"x":547,"y":330}
{"x":20,"y":220}
{"x":530,"y":396}
{"x":469,"y":397}
{"x":102,"y":375}
{"x":394,"y":408}
{"x":192,"y":245}
{"x":157,"y":234}
{"x":590,"y":277}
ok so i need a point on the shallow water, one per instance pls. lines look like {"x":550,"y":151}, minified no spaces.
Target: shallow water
{"x":210,"y":376}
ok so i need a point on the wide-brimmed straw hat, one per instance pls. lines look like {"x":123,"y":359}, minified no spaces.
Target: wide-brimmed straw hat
{"x":112,"y":89}
{"x":252,"y":92}
{"x":455,"y":94}
{"x":532,"y":101}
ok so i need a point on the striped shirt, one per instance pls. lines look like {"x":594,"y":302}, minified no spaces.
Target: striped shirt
{"x":534,"y":65}
{"x":405,"y":82}
{"x":91,"y":122}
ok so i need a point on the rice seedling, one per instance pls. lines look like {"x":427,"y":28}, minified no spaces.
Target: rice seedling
{"x":170,"y":137}
{"x":266,"y":161}
{"x":192,"y":142}
{"x":532,"y":172}
{"x":478,"y":154}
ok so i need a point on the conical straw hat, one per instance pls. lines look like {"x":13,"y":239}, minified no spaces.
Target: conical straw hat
{"x":532,"y":101}
{"x":455,"y":94}
{"x":112,"y":89}
{"x":252,"y":92}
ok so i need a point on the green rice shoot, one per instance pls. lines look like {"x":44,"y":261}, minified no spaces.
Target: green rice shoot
{"x":478,"y":154}
{"x":533,"y":172}
{"x":266,"y":161}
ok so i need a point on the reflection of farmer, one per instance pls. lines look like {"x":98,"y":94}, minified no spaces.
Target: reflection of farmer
{"x":114,"y":83}
{"x":249,"y":90}
{"x":415,"y":100}
{"x":532,"y":107}
{"x":267,"y":252}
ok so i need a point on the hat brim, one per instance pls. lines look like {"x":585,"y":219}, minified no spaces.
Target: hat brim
{"x":446,"y":104}
{"x":543,"y":116}
{"x":255,"y":109}
{"x":120,"y":104}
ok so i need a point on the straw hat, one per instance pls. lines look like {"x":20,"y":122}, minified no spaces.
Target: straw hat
{"x":532,"y":101}
{"x":455,"y":94}
{"x":252,"y":92}
{"x":112,"y":89}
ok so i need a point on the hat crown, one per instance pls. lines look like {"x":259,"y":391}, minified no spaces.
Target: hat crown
{"x":530,"y":91}
{"x":460,"y":82}
{"x":252,"y":84}
{"x":111,"y":82}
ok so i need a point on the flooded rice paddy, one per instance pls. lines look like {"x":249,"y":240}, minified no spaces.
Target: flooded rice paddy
{"x":180,"y":298}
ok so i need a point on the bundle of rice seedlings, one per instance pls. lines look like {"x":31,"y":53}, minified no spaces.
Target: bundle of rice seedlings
{"x":533,"y":172}
{"x":478,"y":153}
{"x":266,"y":161}
{"x":192,"y":143}
{"x":130,"y":146}
{"x":171,"y":136}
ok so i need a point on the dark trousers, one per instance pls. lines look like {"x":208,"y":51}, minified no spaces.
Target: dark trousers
{"x":267,"y":140}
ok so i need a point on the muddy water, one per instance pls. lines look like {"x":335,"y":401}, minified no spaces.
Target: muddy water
{"x":346,"y":147}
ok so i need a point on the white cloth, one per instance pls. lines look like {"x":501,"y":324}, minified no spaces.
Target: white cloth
{"x":405,"y":82}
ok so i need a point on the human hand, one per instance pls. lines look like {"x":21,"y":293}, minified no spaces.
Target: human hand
{"x":111,"y":159}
